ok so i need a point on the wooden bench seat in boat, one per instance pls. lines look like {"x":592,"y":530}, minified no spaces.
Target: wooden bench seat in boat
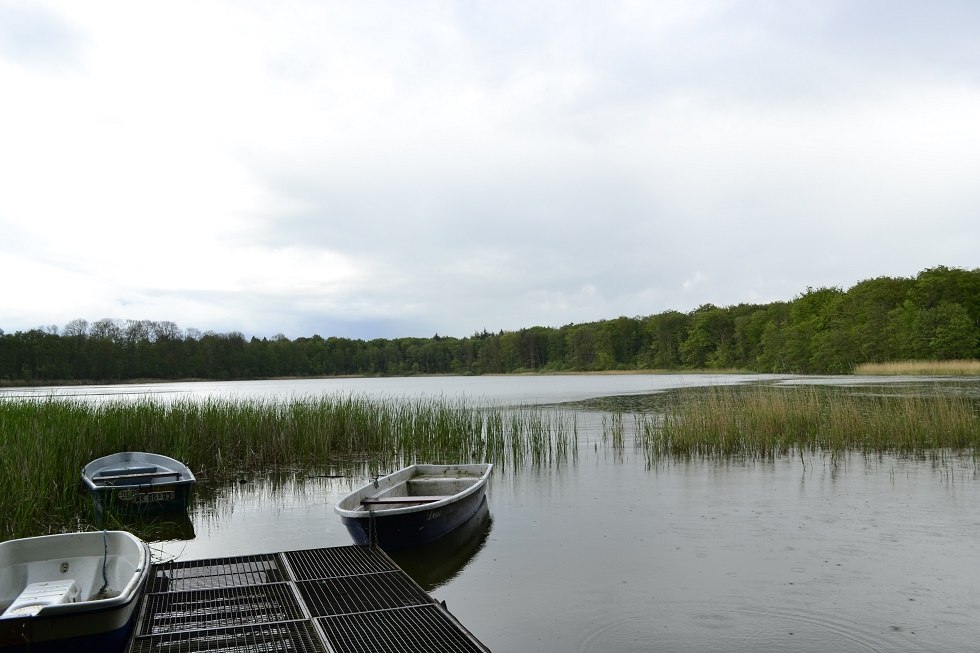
{"x":104,"y":476}
{"x":369,"y":501}
{"x":131,"y":469}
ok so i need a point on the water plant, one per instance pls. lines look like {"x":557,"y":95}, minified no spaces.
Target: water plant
{"x":45,"y":442}
{"x":968,"y":367}
{"x":769,"y":421}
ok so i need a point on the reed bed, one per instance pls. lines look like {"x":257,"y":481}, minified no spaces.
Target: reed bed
{"x":45,"y":443}
{"x":765,"y":422}
{"x":924,"y":368}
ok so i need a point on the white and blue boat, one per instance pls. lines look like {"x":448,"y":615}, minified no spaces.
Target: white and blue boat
{"x":139,"y":482}
{"x":415,"y":505}
{"x":71,"y":592}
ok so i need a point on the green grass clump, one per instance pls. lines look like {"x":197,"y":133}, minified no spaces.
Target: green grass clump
{"x":759,"y":421}
{"x":923,"y":368}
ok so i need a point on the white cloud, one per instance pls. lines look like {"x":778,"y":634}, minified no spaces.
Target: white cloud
{"x":448,"y":167}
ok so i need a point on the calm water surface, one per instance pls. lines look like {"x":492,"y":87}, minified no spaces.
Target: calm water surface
{"x":604,"y":553}
{"x":529,"y":389}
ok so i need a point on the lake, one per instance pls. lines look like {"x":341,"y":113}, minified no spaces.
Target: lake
{"x":607,"y":553}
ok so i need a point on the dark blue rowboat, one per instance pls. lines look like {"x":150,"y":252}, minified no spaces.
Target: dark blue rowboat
{"x":415,"y":505}
{"x":139,"y":482}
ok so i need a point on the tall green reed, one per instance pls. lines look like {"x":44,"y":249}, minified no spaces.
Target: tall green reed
{"x":765,"y":422}
{"x":45,"y":443}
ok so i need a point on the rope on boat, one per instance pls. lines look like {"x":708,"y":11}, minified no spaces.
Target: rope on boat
{"x":105,"y":561}
{"x":372,"y":528}
{"x":105,"y":544}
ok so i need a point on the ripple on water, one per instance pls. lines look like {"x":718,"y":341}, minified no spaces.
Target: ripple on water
{"x":715,"y":625}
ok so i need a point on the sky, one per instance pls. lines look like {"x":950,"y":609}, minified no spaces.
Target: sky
{"x":386,"y":169}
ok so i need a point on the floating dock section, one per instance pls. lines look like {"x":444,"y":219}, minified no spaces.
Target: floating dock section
{"x":335,"y":600}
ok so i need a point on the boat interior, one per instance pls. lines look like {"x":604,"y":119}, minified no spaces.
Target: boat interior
{"x":417,"y":490}
{"x":32,"y":578}
{"x":133,"y":475}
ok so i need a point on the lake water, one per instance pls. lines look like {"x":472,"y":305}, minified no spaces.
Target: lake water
{"x":605,"y":553}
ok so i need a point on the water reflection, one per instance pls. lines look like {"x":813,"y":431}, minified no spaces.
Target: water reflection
{"x":693,"y":554}
{"x":814,"y":553}
{"x":150,"y":526}
{"x":437,"y":563}
{"x":161,"y":527}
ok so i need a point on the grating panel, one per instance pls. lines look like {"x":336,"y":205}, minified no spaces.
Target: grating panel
{"x":222,"y":572}
{"x":425,"y":629}
{"x":288,"y":637}
{"x":338,"y":562}
{"x":263,"y":602}
{"x":212,"y":608}
{"x":328,"y":596}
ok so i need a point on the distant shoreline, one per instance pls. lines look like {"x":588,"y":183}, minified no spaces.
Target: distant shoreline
{"x":893,"y":368}
{"x":7,"y":383}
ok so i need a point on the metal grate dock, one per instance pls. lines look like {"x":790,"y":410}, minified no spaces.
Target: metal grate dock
{"x":348,"y":599}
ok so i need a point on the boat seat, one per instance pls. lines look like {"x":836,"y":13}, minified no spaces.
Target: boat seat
{"x":38,"y":596}
{"x":370,"y":501}
{"x":104,"y":479}
{"x":125,"y":471}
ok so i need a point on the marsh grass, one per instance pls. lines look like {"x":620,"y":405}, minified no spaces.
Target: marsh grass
{"x":925,"y":368}
{"x":764,"y":421}
{"x":44,"y":443}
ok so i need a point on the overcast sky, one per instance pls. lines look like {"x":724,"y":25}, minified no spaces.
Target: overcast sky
{"x":405,"y":168}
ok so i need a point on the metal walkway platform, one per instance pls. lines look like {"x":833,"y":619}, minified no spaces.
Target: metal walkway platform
{"x":336,"y":600}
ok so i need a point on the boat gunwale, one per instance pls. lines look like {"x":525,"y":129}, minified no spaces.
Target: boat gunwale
{"x":408,"y":473}
{"x":172,"y":465}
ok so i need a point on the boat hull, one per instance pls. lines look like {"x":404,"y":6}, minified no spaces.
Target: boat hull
{"x":413,"y":529}
{"x":400,"y":528}
{"x":142,"y":500}
{"x":105,"y":631}
{"x":440,"y":561}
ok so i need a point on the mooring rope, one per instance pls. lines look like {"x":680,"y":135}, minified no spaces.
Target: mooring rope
{"x":372,"y":528}
{"x":105,"y":545}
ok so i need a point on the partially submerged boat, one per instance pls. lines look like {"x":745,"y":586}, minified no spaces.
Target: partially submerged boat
{"x":71,"y":592}
{"x":415,"y":505}
{"x":136,"y":481}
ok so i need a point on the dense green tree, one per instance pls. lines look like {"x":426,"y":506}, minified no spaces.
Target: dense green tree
{"x":868,"y":309}
{"x":751,"y":325}
{"x":488,"y":357}
{"x":812,"y":315}
{"x":710,"y":338}
{"x":954,"y":335}
{"x":664,"y":335}
{"x":582,"y":347}
{"x":825,"y":330}
{"x":624,"y":341}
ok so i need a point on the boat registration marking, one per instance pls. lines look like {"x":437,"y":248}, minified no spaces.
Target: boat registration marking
{"x":135,"y":496}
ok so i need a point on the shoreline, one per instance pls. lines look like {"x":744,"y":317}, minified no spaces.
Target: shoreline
{"x":956,"y":368}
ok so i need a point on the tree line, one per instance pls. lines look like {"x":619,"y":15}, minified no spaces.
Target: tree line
{"x":934,"y":316}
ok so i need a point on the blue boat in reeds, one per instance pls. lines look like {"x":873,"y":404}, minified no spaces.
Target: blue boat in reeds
{"x":138,"y":482}
{"x":71,"y":592}
{"x":415,"y":505}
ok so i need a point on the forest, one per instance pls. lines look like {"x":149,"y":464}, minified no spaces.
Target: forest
{"x":933,"y":316}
